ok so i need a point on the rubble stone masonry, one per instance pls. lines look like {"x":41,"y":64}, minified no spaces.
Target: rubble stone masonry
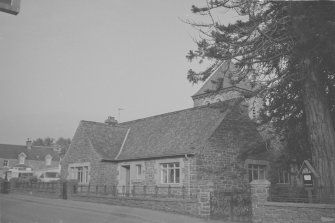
{"x":284,"y":212}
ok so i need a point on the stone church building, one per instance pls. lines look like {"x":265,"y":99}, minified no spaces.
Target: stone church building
{"x":214,"y":142}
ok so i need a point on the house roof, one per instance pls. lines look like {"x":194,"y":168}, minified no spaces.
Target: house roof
{"x":221,"y":77}
{"x":170,"y":134}
{"x":105,"y":139}
{"x":35,"y":153}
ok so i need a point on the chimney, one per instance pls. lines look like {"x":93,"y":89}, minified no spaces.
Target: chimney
{"x":111,"y":121}
{"x":28,"y":143}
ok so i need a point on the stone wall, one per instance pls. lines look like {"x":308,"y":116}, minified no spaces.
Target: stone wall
{"x":81,"y":151}
{"x":214,"y":97}
{"x":151,"y":175}
{"x":106,"y":173}
{"x":204,"y":199}
{"x":284,"y":212}
{"x":48,"y":190}
{"x":254,"y":104}
{"x":281,"y":212}
{"x":220,"y":160}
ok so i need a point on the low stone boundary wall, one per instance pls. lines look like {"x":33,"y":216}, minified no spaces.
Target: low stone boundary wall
{"x":59,"y":189}
{"x":181,"y":206}
{"x":37,"y":193}
{"x":284,"y":212}
{"x":294,"y":212}
{"x":41,"y":190}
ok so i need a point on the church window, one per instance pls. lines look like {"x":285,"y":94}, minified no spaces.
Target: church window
{"x":283,"y":177}
{"x":256,"y":172}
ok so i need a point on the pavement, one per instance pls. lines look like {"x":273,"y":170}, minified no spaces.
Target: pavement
{"x":16,"y":208}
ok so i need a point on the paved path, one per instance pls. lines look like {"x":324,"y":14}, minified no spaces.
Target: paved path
{"x":16,"y":208}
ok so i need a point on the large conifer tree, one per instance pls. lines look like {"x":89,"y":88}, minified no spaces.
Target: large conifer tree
{"x":290,"y":46}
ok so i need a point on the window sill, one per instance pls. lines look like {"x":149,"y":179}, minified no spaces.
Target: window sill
{"x":84,"y":184}
{"x":137,"y":180}
{"x":171,"y":185}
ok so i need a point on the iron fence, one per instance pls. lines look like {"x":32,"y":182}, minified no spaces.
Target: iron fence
{"x":181,"y":192}
{"x":288,"y":193}
{"x":136,"y":191}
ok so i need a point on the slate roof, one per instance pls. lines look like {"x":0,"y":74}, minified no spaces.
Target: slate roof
{"x":170,"y":134}
{"x":173,"y":133}
{"x":35,"y":153}
{"x":221,"y":73}
{"x":105,"y":139}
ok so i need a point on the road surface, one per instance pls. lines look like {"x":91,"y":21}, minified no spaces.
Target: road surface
{"x":28,"y":209}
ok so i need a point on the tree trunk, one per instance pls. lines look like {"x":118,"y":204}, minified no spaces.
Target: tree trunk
{"x":320,"y":129}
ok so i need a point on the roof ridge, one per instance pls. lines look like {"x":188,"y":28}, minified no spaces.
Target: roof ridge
{"x":209,"y":77}
{"x":3,"y":144}
{"x":102,"y":124}
{"x":169,"y":113}
{"x":93,"y":122}
{"x":121,"y":124}
{"x":11,"y":144}
{"x":49,"y":147}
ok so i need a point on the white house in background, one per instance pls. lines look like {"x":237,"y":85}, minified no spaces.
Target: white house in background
{"x":28,"y":158}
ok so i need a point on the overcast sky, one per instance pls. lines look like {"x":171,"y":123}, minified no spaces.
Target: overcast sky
{"x":65,"y":61}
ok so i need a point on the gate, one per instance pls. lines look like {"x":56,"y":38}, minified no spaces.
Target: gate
{"x":233,"y":206}
{"x":64,"y":190}
{"x":5,"y":187}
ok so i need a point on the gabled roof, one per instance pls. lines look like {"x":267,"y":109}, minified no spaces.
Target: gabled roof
{"x":35,"y":153}
{"x":310,"y":168}
{"x":175,"y":133}
{"x":221,"y":77}
{"x":105,"y":139}
{"x":170,"y":134}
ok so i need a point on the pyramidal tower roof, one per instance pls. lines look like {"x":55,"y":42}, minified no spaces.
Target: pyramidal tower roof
{"x":220,"y":79}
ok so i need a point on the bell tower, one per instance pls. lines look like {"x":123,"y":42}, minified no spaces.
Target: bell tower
{"x":219,"y":87}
